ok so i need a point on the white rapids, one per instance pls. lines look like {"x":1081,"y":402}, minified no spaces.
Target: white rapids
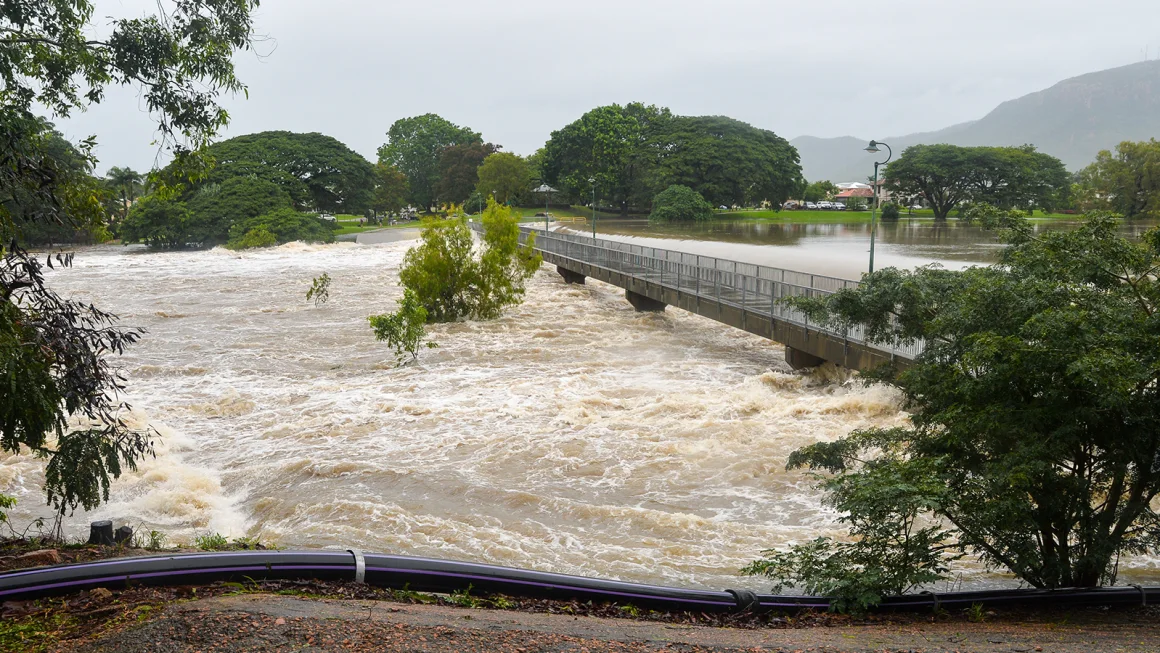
{"x":572,"y":435}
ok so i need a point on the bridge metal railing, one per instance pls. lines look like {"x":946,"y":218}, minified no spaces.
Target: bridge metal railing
{"x":755,"y":288}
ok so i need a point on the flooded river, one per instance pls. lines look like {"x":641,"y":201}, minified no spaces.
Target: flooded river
{"x":572,"y":435}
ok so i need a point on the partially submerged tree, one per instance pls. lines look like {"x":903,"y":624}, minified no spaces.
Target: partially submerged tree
{"x":1035,"y":413}
{"x":449,"y":280}
{"x":445,"y":281}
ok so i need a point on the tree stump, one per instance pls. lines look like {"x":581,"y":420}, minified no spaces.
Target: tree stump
{"x":101,"y":533}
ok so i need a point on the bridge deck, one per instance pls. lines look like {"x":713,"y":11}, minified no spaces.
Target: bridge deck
{"x":743,"y":295}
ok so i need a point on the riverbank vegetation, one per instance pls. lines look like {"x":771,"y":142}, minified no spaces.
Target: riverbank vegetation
{"x":62,"y":394}
{"x":680,"y":204}
{"x":1035,"y":419}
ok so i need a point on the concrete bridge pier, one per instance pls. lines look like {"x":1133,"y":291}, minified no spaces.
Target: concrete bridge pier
{"x":644,"y":304}
{"x":571,"y":277}
{"x":800,"y":360}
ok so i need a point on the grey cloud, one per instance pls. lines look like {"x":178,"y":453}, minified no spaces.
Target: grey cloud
{"x":517,"y":69}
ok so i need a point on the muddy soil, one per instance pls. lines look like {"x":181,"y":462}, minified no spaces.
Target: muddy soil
{"x":268,"y":622}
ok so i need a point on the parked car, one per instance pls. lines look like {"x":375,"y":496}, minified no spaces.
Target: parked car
{"x":723,"y":207}
{"x":837,"y":206}
{"x":810,"y":206}
{"x":790,"y":206}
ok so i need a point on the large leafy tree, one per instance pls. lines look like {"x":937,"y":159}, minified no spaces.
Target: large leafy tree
{"x":725,"y":160}
{"x":459,"y":170}
{"x":413,"y":146}
{"x":391,"y":190}
{"x":1127,"y":180}
{"x":1034,"y":437}
{"x":937,"y":173}
{"x":53,"y":352}
{"x":610,"y":145}
{"x":1007,"y":177}
{"x":1016,"y":178}
{"x":633,"y":152}
{"x":506,"y":175}
{"x":317,"y":171}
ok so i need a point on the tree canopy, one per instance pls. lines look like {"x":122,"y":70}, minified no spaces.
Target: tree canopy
{"x":1126,"y":181}
{"x":459,"y":170}
{"x":54,"y":352}
{"x":506,"y":175}
{"x":316,"y":171}
{"x":391,"y":189}
{"x":1007,"y":177}
{"x":1035,"y":412}
{"x":725,"y":160}
{"x":207,"y":214}
{"x":633,"y":152}
{"x":413,"y":146}
{"x":610,"y":145}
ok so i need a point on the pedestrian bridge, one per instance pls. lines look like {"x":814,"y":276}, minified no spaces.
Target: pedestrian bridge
{"x":742,"y":295}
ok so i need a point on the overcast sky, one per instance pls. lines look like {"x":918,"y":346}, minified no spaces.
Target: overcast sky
{"x":517,"y":69}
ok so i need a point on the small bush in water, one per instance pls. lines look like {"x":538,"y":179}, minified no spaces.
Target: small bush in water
{"x":404,"y":329}
{"x":319,"y":290}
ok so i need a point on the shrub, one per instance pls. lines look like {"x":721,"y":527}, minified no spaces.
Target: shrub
{"x":680,"y":204}
{"x":284,"y":226}
{"x":256,"y":237}
{"x":404,"y":329}
{"x":890,"y":212}
{"x":319,"y":289}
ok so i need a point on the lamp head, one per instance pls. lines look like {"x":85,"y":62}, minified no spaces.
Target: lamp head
{"x":873,"y":149}
{"x":592,"y":180}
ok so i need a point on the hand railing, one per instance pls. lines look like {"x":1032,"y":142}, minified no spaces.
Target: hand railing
{"x":756,"y":289}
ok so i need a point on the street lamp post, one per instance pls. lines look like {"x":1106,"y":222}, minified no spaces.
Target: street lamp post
{"x":873,"y":149}
{"x":592,"y":181}
{"x":547,"y":190}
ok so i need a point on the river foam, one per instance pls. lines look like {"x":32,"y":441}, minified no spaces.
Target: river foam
{"x":571,"y":435}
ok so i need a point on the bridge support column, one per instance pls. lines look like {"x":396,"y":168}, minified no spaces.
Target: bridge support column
{"x":644,"y":304}
{"x":799,"y":359}
{"x":570,"y":276}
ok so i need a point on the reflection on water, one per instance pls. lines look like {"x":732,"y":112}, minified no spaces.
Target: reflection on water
{"x":839,"y":249}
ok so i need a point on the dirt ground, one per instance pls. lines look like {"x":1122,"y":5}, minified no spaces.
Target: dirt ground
{"x":268,"y":622}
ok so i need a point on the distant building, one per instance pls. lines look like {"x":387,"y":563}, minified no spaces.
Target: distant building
{"x":854,"y":194}
{"x":884,"y":194}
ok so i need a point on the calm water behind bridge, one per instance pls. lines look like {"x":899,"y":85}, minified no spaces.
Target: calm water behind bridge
{"x":840,"y":249}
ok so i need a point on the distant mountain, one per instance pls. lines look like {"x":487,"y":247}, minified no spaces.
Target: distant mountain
{"x":1072,"y":120}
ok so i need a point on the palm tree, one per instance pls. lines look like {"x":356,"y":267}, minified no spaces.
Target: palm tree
{"x":128,"y":183}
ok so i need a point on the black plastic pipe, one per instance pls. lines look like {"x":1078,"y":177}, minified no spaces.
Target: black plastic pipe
{"x":444,"y":576}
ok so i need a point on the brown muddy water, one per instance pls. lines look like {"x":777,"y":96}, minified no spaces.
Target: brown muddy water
{"x":572,"y":435}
